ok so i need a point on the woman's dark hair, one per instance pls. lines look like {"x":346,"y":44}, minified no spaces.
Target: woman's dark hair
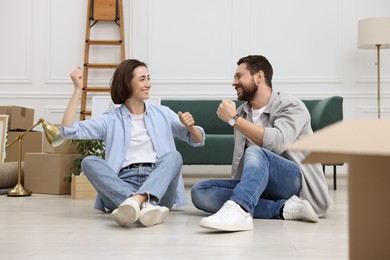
{"x":121,"y":81}
{"x":256,"y":63}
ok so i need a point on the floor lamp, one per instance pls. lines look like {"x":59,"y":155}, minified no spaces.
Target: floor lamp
{"x":53,"y":136}
{"x":374,"y":33}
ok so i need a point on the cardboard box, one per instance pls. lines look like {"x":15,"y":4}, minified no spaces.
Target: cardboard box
{"x":365,"y":146}
{"x":65,"y":147}
{"x":20,"y":117}
{"x":82,"y":188}
{"x":45,"y":173}
{"x":31,"y":143}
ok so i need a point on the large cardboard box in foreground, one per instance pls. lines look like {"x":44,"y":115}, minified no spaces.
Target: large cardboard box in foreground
{"x":31,"y":143}
{"x":19,"y":117}
{"x":365,"y":146}
{"x":45,"y":173}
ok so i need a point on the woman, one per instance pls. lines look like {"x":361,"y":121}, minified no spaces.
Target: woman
{"x":140,"y":178}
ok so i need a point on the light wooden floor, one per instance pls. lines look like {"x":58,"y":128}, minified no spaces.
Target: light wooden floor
{"x":56,"y":227}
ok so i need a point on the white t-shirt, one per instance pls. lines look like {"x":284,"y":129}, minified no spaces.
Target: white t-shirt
{"x":254,"y":117}
{"x":141,"y":149}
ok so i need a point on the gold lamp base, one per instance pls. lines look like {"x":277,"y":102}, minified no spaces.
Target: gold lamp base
{"x":19,"y":191}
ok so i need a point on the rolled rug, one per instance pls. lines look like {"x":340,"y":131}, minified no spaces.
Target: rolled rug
{"x":9,"y":176}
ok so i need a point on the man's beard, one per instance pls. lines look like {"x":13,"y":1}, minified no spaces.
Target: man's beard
{"x":248,"y":92}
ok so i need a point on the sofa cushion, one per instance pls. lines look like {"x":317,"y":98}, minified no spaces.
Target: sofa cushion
{"x":218,"y":150}
{"x":324,"y":112}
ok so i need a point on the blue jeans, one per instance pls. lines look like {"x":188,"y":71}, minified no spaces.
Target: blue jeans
{"x":159,"y":181}
{"x":267,"y":181}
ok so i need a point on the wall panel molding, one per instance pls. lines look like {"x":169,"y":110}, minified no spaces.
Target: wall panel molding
{"x":35,"y":95}
{"x":277,"y":80}
{"x":25,"y":10}
{"x":214,"y":91}
{"x":372,"y":111}
{"x":54,"y":114}
{"x":15,"y":80}
{"x":364,"y":80}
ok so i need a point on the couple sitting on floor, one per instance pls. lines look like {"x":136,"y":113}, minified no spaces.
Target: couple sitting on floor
{"x":140,"y":178}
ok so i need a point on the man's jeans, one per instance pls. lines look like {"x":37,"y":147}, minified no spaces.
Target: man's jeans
{"x":159,"y":181}
{"x":267,"y":181}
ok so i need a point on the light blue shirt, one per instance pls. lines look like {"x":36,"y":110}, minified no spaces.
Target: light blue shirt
{"x":114,"y":128}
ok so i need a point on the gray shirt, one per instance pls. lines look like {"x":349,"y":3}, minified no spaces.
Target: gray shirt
{"x":286,"y":120}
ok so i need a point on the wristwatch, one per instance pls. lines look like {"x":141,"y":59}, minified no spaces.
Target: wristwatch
{"x":233,"y":121}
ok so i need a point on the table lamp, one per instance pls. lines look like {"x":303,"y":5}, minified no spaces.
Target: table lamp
{"x":374,"y":33}
{"x":53,"y":137}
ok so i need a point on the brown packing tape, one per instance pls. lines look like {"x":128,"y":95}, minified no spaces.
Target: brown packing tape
{"x":23,"y":112}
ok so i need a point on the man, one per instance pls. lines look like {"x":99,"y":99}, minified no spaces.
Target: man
{"x":267,"y":181}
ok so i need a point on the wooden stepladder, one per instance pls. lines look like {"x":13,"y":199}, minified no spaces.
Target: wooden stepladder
{"x":100,"y":10}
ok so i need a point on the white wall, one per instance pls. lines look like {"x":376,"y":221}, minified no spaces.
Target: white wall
{"x":192,"y":48}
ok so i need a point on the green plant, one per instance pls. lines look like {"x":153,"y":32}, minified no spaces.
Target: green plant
{"x":85,"y":147}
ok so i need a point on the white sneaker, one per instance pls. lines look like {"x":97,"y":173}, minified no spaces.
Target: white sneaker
{"x":231,"y":217}
{"x":299,"y":209}
{"x":127,"y":213}
{"x":152,"y":214}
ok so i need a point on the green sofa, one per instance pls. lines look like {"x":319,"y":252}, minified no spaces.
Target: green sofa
{"x":325,"y":112}
{"x":218,"y":149}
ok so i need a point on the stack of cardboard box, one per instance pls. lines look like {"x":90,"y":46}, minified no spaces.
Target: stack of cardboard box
{"x":45,"y":167}
{"x":20,"y":120}
{"x":45,"y":172}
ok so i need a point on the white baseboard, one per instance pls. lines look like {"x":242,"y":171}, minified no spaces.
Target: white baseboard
{"x":195,"y":173}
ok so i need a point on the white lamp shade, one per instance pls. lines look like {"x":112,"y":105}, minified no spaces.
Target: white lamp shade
{"x":373,"y":31}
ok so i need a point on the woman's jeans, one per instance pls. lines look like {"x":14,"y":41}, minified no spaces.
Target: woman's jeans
{"x":267,"y":181}
{"x":159,"y":181}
